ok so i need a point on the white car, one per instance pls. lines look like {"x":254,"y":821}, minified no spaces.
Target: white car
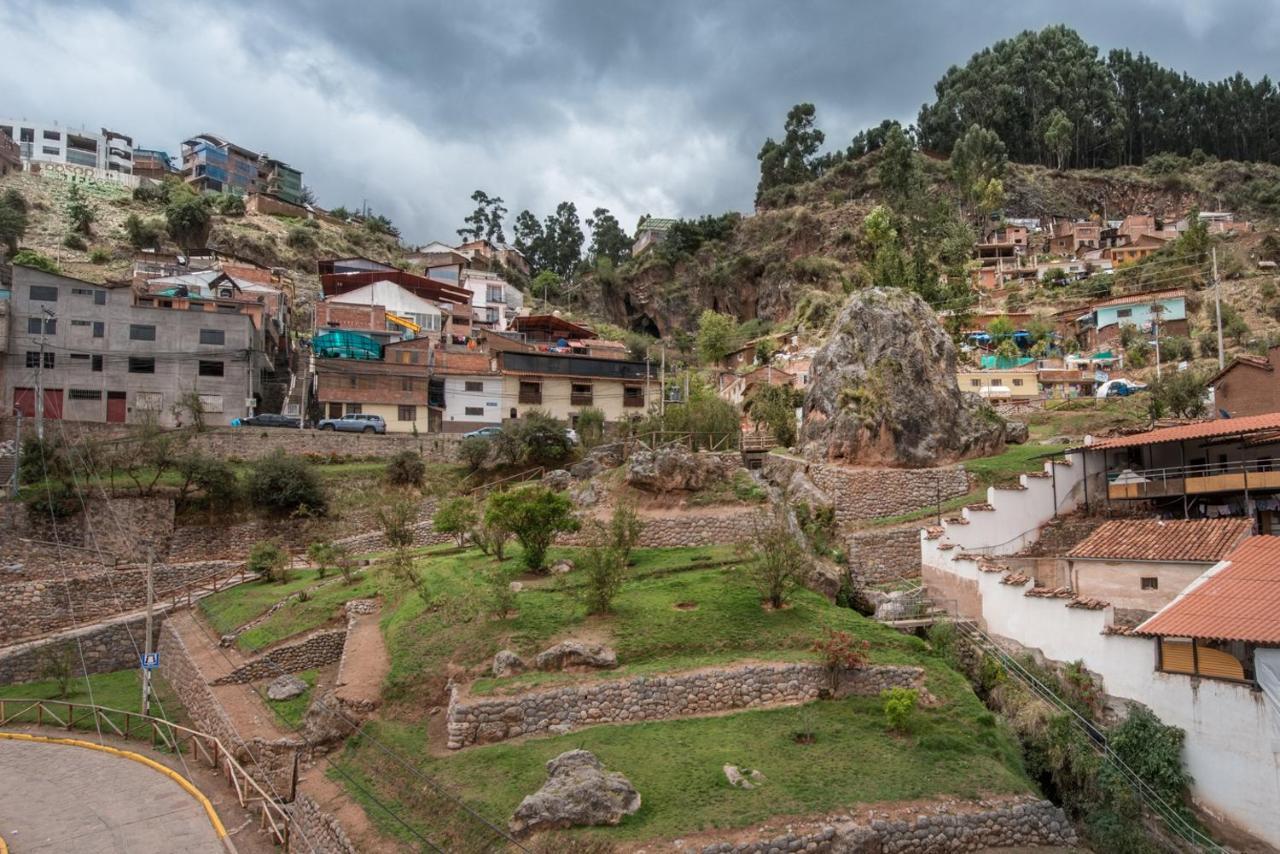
{"x":572,"y":434}
{"x":1119,"y":388}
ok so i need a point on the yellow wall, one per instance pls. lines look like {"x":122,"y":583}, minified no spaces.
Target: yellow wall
{"x":606,"y":396}
{"x":985,"y":379}
{"x":391,"y":415}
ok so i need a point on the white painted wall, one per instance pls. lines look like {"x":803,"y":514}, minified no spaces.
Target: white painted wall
{"x":458,"y":399}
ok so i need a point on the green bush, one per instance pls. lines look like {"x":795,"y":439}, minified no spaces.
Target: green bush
{"x":213,"y":477}
{"x":778,"y":562}
{"x":406,"y":468}
{"x":534,"y":514}
{"x":188,"y":221}
{"x":144,"y":234}
{"x":456,"y":516}
{"x":74,"y":241}
{"x":591,"y":427}
{"x":32,"y":258}
{"x":1175,"y":349}
{"x":603,"y":567}
{"x":267,"y":558}
{"x":99,"y":255}
{"x":229,"y":204}
{"x":899,"y":703}
{"x":534,"y":439}
{"x":474,"y":451}
{"x":300,"y":238}
{"x":285,"y":484}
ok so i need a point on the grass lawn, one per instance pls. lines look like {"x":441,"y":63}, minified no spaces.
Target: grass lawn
{"x":235,"y":606}
{"x":292,"y":711}
{"x":298,"y":616}
{"x":956,"y":748}
{"x":121,"y":689}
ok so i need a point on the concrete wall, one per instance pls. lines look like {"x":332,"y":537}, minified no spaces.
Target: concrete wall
{"x":473,"y":720}
{"x":1120,"y":582}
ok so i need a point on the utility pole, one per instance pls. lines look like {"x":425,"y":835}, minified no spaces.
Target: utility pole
{"x":146,"y":658}
{"x":17,"y":456}
{"x":662,"y":383}
{"x":1217,"y":308}
{"x":46,"y":316}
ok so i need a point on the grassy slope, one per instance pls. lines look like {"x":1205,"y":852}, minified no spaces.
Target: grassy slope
{"x":956,"y":748}
{"x":121,"y":689}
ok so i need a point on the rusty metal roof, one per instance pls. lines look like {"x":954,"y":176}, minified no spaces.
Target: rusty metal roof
{"x":1190,"y":540}
{"x":1200,"y":430}
{"x":1237,"y":600}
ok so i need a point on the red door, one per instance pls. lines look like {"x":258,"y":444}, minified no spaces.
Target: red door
{"x":53,"y":403}
{"x":115,"y":407}
{"x":24,"y":402}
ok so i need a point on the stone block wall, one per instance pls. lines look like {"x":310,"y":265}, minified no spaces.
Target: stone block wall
{"x":106,"y":534}
{"x":105,"y":647}
{"x":868,"y":493}
{"x":885,"y":554}
{"x":1018,"y":824}
{"x":318,"y":650}
{"x":315,"y":831}
{"x":31,"y":608}
{"x":477,"y":720}
{"x":248,"y":442}
{"x":734,"y":526}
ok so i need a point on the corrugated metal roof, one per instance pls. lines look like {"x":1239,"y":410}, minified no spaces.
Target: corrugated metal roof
{"x":1134,"y":299}
{"x":1237,"y":600}
{"x":1194,"y":540}
{"x":1202,"y":430}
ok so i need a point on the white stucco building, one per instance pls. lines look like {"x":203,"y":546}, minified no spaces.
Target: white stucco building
{"x":43,"y":142}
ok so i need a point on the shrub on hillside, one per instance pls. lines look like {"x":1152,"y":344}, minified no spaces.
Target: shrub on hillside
{"x":1180,"y":394}
{"x":284,"y":484}
{"x":229,"y":204}
{"x":213,"y":477}
{"x":456,"y":516}
{"x":267,"y":558}
{"x":778,"y":561}
{"x":31,"y":258}
{"x":100,"y":255}
{"x":144,"y":234}
{"x":899,"y":703}
{"x":75,"y":242}
{"x":534,"y":439}
{"x":188,"y":220}
{"x":474,"y":451}
{"x":840,"y":651}
{"x":590,"y":427}
{"x":406,"y":468}
{"x":534,"y":514}
{"x":300,"y":238}
{"x":1175,"y":349}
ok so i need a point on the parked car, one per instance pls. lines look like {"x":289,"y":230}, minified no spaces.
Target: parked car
{"x":269,"y":419}
{"x":484,"y":432}
{"x":572,"y":434}
{"x":1120,"y":388}
{"x":355,"y":423}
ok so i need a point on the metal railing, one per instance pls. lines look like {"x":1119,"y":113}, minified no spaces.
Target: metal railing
{"x":157,"y":731}
{"x":1238,"y":475}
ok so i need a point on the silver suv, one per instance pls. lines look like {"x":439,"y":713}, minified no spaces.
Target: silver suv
{"x":355,"y":423}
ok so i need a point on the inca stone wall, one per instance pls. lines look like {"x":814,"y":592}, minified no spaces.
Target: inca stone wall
{"x":31,"y":608}
{"x":318,"y":650}
{"x":867,"y":493}
{"x":248,"y":442}
{"x":734,"y":526}
{"x":1025,"y":823}
{"x":477,"y":720}
{"x":103,"y":533}
{"x":101,"y":648}
{"x":316,"y":831}
{"x":885,"y":555}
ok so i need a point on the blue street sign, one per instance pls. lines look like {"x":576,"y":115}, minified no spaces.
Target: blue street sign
{"x":150,"y":660}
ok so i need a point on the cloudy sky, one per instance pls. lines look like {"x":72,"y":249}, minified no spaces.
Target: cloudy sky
{"x":642,"y":107}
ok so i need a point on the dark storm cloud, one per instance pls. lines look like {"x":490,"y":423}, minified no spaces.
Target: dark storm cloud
{"x":651,"y":106}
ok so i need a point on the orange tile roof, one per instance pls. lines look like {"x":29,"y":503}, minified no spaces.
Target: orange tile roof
{"x":1193,"y":540}
{"x":1125,"y":299}
{"x":1201,"y":430}
{"x":1238,"y":600}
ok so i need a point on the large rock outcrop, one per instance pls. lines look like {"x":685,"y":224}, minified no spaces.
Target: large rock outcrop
{"x":885,"y":392}
{"x":578,"y":791}
{"x":676,"y":468}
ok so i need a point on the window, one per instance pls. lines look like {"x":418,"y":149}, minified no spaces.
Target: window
{"x":95,"y":364}
{"x":33,"y":359}
{"x":142,"y":365}
{"x":82,"y":292}
{"x":1150,"y":583}
{"x":1124,"y":312}
{"x":51,"y":149}
{"x":975,"y":383}
{"x":79,"y":357}
{"x":50,"y":325}
{"x":44,"y":293}
{"x":52,"y":134}
{"x":85,"y":394}
{"x":211,"y":369}
{"x":213,"y":336}
{"x":530,"y":392}
{"x":475,"y":410}
{"x":474,"y":385}
{"x":27,"y":134}
{"x":406,"y":413}
{"x":580,"y":394}
{"x":86,"y":324}
{"x":632,"y":395}
{"x":354,"y":409}
{"x":211,"y":402}
{"x":141,"y":332}
{"x":1017,"y":382}
{"x":99,"y":329}
{"x":494,"y":293}
{"x":99,"y":297}
{"x":152,"y":400}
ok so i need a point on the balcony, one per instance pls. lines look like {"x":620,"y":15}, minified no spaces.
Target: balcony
{"x":1241,"y":476}
{"x":531,"y":393}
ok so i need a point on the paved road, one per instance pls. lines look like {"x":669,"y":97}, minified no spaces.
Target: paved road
{"x":60,"y":798}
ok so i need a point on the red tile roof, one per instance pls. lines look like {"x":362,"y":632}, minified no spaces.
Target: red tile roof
{"x":1238,"y":600}
{"x":1191,"y":540}
{"x":1200,"y":430}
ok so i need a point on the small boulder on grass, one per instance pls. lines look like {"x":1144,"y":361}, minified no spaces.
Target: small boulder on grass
{"x":286,"y":688}
{"x":578,"y":792}
{"x":574,"y":653}
{"x":507,"y":663}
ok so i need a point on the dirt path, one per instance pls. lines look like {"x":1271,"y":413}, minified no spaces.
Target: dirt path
{"x":365,"y":662}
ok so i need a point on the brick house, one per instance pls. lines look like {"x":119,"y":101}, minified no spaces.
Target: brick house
{"x":1247,"y":386}
{"x":1070,"y":237}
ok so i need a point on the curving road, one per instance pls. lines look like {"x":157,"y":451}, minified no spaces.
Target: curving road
{"x":60,"y":797}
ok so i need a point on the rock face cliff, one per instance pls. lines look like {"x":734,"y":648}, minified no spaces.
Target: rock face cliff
{"x":884,"y":391}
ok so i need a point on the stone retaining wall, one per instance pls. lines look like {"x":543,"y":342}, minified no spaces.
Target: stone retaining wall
{"x":318,"y":650}
{"x":105,"y":533}
{"x":672,"y":531}
{"x":36,"y":607}
{"x":868,"y":493}
{"x":248,"y":442}
{"x":1026,"y":823}
{"x":316,"y":831}
{"x":96,"y":649}
{"x":475,"y":720}
{"x":885,"y":555}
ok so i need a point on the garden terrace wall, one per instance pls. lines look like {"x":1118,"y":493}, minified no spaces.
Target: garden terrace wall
{"x":1021,"y":824}
{"x":249,"y":442}
{"x":477,"y":720}
{"x":315,"y":831}
{"x":734,"y":526}
{"x":102,"y":648}
{"x":36,"y":607}
{"x":104,"y":533}
{"x":318,"y":650}
{"x":885,"y":555}
{"x":869,"y":493}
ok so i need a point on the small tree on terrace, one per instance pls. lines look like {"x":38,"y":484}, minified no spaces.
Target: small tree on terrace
{"x":778,"y":561}
{"x":603,"y":566}
{"x":717,"y":336}
{"x":534,"y":514}
{"x":270,"y":560}
{"x":285,"y":484}
{"x":80,"y":215}
{"x":625,"y":529}
{"x":456,"y":516}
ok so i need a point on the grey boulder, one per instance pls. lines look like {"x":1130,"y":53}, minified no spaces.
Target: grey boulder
{"x":286,"y":688}
{"x":578,"y":792}
{"x":507,"y":663}
{"x":573,"y":653}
